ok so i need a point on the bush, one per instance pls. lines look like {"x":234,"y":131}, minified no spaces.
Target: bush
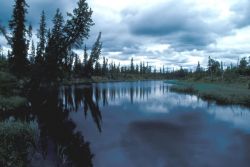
{"x":11,"y":103}
{"x":8,"y":83}
{"x":17,"y":139}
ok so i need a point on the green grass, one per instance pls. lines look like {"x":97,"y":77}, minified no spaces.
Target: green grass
{"x":17,"y":139}
{"x":221,"y":92}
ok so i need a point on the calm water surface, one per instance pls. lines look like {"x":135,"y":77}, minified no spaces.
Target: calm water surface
{"x":135,"y":124}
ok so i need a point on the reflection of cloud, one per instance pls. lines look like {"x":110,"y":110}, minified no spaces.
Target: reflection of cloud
{"x":156,"y":108}
{"x":239,"y":116}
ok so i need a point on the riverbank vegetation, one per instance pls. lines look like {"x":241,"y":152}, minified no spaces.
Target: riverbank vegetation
{"x":225,"y":86}
{"x":30,"y":65}
{"x":221,"y":92}
{"x":17,"y":141}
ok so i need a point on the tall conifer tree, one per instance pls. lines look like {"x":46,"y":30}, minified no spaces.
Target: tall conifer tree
{"x":18,"y":57}
{"x":42,"y":39}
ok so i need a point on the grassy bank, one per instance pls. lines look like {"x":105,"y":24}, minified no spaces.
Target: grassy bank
{"x":221,"y":92}
{"x":9,"y":92}
{"x":17,"y":140}
{"x":11,"y":102}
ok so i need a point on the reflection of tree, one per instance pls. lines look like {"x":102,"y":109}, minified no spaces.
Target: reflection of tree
{"x":131,"y":95}
{"x":56,"y":127}
{"x":133,"y":91}
{"x":104,"y":97}
{"x":83,"y":97}
{"x":93,"y":108}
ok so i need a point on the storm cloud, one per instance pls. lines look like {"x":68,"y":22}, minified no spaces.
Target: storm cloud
{"x":161,"y":32}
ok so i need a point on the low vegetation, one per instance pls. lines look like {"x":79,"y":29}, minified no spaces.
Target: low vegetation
{"x":9,"y":92}
{"x":17,"y":140}
{"x":11,"y":103}
{"x":221,"y":92}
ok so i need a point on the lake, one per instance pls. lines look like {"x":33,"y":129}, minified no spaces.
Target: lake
{"x":135,"y":124}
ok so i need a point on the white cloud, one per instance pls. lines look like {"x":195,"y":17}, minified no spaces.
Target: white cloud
{"x":206,"y":28}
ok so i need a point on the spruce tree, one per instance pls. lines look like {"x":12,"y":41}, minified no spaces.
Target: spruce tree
{"x":54,"y":55}
{"x":33,"y":53}
{"x":198,"y":68}
{"x":96,"y":49}
{"x":41,"y":35}
{"x":18,"y":58}
{"x":94,"y":56}
{"x":77,"y":66}
{"x":78,"y":26}
{"x":132,"y":68}
{"x":85,"y":57}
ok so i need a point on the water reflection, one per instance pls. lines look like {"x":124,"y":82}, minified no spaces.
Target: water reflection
{"x":85,"y":98}
{"x":153,"y":97}
{"x":143,"y":124}
{"x":58,"y":139}
{"x":140,"y":124}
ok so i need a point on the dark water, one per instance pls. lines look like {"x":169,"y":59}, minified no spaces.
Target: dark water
{"x":135,"y":124}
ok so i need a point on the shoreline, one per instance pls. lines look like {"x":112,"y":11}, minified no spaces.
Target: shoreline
{"x":105,"y":80}
{"x":221,"y":92}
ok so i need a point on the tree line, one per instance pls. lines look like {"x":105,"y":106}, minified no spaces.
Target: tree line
{"x":215,"y":70}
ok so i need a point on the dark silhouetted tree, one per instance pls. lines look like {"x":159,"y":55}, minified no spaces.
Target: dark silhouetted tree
{"x":94,"y":56}
{"x":41,"y":35}
{"x":54,"y":54}
{"x":85,"y":57}
{"x":78,"y":26}
{"x":198,"y":68}
{"x":32,"y":53}
{"x":18,"y":58}
{"x":132,"y":67}
{"x":77,"y":66}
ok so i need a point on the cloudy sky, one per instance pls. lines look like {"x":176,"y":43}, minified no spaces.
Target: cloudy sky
{"x":161,"y":32}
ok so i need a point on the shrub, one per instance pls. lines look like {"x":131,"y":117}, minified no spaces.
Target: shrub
{"x":16,"y":141}
{"x":8,"y":83}
{"x":11,"y":103}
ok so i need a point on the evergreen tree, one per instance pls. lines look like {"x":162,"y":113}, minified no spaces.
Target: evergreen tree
{"x":85,"y":57}
{"x":213,"y":66}
{"x":104,"y":66}
{"x":96,"y":50}
{"x":77,"y":66}
{"x":33,"y":53}
{"x":78,"y":26}
{"x":137,"y":69}
{"x":97,"y":69}
{"x":29,"y":33}
{"x":243,"y":66}
{"x":198,"y":68}
{"x":63,"y":38}
{"x":94,"y":56}
{"x":54,"y":55}
{"x":41,"y":35}
{"x":18,"y":58}
{"x":132,"y":68}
